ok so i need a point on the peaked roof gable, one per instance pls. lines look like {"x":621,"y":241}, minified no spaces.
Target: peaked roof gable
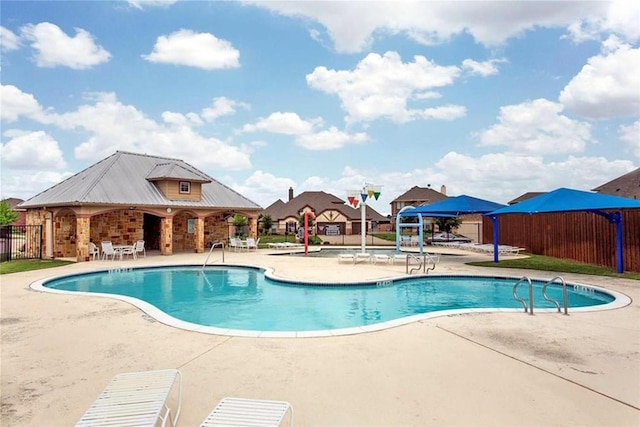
{"x":320,"y":202}
{"x":175,"y":171}
{"x":627,"y":185}
{"x":122,"y":179}
{"x":423,"y":194}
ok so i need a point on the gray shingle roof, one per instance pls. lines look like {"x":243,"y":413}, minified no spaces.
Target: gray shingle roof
{"x":627,"y":185}
{"x":122,"y":179}
{"x":421,"y":194}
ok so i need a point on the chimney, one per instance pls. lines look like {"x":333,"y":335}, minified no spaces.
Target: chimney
{"x":290,"y":193}
{"x":443,"y":190}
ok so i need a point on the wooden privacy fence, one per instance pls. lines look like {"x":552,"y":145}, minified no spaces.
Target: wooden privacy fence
{"x":580,"y":236}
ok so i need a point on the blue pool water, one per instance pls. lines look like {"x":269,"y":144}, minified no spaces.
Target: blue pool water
{"x":243,"y":298}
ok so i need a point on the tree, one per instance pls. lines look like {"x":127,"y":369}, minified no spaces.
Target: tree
{"x":7,"y":214}
{"x":448,"y":224}
{"x":267,"y":223}
{"x":240,"y":222}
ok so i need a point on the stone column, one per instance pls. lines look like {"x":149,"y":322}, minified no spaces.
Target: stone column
{"x":253,"y":227}
{"x":83,"y":231}
{"x":166,"y":236}
{"x":199,"y":235}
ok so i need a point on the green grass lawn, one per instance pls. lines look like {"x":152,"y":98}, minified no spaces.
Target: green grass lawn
{"x":539,"y":262}
{"x":19,"y":265}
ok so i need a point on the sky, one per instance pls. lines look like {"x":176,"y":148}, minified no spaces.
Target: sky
{"x":490,"y":99}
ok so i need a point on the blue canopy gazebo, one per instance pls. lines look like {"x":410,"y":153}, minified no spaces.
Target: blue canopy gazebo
{"x":451,"y":207}
{"x":568,"y":200}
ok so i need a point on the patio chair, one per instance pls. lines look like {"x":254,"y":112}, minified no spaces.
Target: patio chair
{"x":252,"y":243}
{"x":108,"y":251}
{"x":234,"y":411}
{"x":128,"y":250}
{"x":135,"y":398}
{"x":94,"y":252}
{"x":139,"y":248}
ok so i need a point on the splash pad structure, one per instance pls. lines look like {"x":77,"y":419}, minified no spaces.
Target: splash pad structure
{"x":357,"y":198}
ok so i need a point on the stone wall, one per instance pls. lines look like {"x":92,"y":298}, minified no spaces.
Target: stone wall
{"x":122,"y":227}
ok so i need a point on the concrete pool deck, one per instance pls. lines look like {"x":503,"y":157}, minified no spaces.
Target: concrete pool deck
{"x":484,"y":369}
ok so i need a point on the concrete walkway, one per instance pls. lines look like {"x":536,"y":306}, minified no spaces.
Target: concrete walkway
{"x":497,"y":369}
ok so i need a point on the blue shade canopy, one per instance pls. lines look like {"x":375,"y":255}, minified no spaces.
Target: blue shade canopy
{"x":568,"y":200}
{"x":454,"y":206}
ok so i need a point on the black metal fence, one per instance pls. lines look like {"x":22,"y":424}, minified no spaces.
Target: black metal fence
{"x":20,"y":242}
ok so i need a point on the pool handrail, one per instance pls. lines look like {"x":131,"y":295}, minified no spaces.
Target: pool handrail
{"x":521,"y":300}
{"x":564,"y":294}
{"x":213,"y":245}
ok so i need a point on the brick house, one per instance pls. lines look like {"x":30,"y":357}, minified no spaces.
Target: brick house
{"x":333,"y":215}
{"x":414,"y":197}
{"x":627,"y":185}
{"x":126,"y":197}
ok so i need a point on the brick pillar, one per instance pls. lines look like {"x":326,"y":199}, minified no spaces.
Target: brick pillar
{"x":253,"y":227}
{"x":83,"y":231}
{"x":166,"y":236}
{"x":199,"y":235}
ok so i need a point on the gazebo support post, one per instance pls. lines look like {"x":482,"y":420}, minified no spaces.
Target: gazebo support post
{"x":496,"y":252}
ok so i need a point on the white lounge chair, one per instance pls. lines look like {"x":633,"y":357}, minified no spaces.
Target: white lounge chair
{"x":234,"y":411}
{"x":347,"y":257}
{"x":362,"y":257}
{"x":128,"y":250}
{"x":135,"y":399}
{"x":384,"y":258}
{"x":94,"y":252}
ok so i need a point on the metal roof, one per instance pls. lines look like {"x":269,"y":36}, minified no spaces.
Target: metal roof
{"x":175,"y":171}
{"x":122,"y":178}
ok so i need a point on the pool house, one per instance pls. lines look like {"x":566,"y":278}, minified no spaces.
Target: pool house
{"x":168,"y":203}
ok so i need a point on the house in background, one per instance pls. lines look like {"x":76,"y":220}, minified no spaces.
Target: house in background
{"x":333,"y":216}
{"x":627,"y":185}
{"x":524,"y":197}
{"x":126,"y":197}
{"x":22,"y":213}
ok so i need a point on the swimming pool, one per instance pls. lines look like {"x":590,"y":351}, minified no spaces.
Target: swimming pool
{"x":249,"y":301}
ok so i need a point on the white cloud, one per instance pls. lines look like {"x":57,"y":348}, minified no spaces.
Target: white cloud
{"x":179,"y":119}
{"x":222,"y":106}
{"x":630,"y":135}
{"x":484,"y":69}
{"x":621,"y":17}
{"x":490,"y":23}
{"x":142,"y":4}
{"x":537,"y":127}
{"x":504,"y":176}
{"x":32,"y":151}
{"x":54,"y":48}
{"x":8,"y":40}
{"x":607,"y":86}
{"x":15,"y":103}
{"x":25,"y":184}
{"x":283,"y":123}
{"x":115,"y":126}
{"x":200,"y":50}
{"x":330,"y":139}
{"x":380,"y":86}
{"x":265,"y":188}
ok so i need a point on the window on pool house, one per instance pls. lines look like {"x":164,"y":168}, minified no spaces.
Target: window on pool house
{"x":185,"y":187}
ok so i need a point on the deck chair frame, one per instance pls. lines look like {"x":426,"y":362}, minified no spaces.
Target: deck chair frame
{"x":235,"y":411}
{"x":135,"y":399}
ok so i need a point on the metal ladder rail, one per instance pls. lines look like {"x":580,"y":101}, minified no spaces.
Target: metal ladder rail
{"x":428,"y":256}
{"x":521,"y":300}
{"x":564,"y":294}
{"x":221,"y":244}
{"x":420,"y":264}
